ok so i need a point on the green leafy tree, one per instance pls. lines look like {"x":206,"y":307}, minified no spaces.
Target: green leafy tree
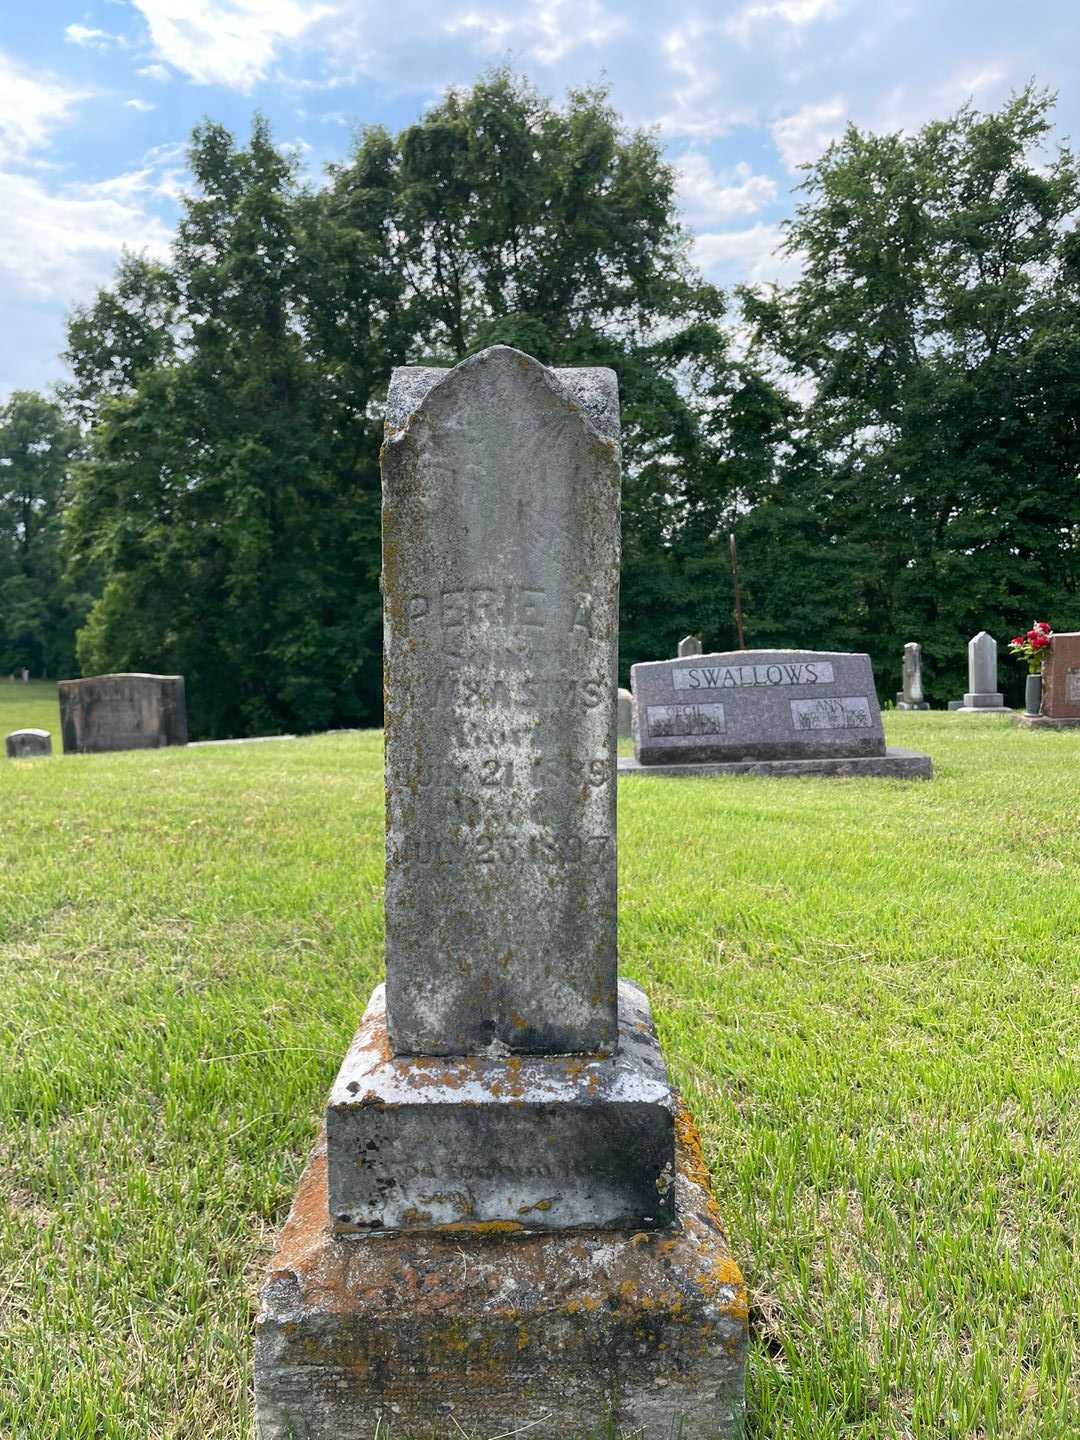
{"x":39,"y":610}
{"x":933,"y":334}
{"x":228,"y":497}
{"x":231,"y":494}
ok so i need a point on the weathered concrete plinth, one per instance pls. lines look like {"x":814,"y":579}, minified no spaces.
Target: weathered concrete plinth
{"x":546,"y":1142}
{"x":896,"y":764}
{"x":959,"y":708}
{"x":479,"y":1332}
{"x":1046,"y":722}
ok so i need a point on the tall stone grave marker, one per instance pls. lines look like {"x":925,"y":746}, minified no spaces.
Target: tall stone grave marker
{"x":911,"y":697}
{"x":122,"y":712}
{"x":22,"y":744}
{"x":501,"y":1210}
{"x":625,"y":724}
{"x":770,"y":711}
{"x":982,"y":694}
{"x":689,"y":645}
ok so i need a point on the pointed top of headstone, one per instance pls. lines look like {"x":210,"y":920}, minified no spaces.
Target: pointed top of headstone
{"x":689,"y":645}
{"x":593,"y":391}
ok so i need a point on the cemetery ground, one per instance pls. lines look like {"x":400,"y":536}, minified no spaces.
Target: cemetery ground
{"x":867,"y":989}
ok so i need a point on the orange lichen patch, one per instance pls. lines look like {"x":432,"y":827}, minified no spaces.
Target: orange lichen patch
{"x":481,"y":1227}
{"x":540,"y":1205}
{"x":692,"y":1157}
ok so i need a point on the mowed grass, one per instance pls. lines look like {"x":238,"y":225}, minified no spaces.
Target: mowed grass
{"x":29,"y":707}
{"x":868,"y":990}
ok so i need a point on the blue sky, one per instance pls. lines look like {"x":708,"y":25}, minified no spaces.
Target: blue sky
{"x":97,"y":99}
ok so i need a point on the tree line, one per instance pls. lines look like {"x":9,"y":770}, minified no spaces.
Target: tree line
{"x":893,"y":438}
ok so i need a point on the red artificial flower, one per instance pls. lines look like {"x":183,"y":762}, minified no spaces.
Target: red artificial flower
{"x":1039,"y":640}
{"x":1017,"y":640}
{"x":1043,"y":626}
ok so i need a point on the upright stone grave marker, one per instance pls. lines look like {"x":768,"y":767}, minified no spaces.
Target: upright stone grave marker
{"x":625,"y":724}
{"x":23,"y":744}
{"x":502,"y":1128}
{"x":982,"y":693}
{"x":122,"y":712}
{"x":689,"y":645}
{"x":771,"y":711}
{"x":1060,"y":709}
{"x":911,"y":697}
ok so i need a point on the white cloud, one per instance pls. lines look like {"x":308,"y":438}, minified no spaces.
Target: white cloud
{"x":791,"y":12}
{"x":710,"y":199}
{"x":226,"y":42}
{"x":803,"y":136}
{"x":91,"y":39}
{"x":143,"y":106}
{"x":154,"y":72}
{"x":31,"y":107}
{"x":548,"y":31}
{"x":692,"y":108}
{"x":63,"y":245}
{"x":751,"y":255}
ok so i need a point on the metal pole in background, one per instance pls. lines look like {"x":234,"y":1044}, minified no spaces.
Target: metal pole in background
{"x":738,"y":595}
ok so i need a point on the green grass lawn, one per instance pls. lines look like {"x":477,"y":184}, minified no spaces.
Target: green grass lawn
{"x":29,"y":707}
{"x":868,"y":990}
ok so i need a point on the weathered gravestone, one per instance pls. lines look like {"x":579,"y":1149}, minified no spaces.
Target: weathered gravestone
{"x":982,"y":693}
{"x":122,"y":712}
{"x":770,"y":711}
{"x":911,"y":697}
{"x":508,"y":1223}
{"x":689,"y":645}
{"x":22,"y":744}
{"x":625,"y":722}
{"x":1060,"y":709}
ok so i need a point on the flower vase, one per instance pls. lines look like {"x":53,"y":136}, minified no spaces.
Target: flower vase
{"x":1033,"y":694}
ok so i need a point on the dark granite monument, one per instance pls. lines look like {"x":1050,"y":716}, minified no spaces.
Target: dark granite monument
{"x":1060,"y":708}
{"x":24,"y":744}
{"x":122,"y":712}
{"x":508,"y":1223}
{"x":771,"y":711}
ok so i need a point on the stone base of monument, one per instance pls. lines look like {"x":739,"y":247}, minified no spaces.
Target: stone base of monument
{"x":490,"y":1330}
{"x":896,"y":764}
{"x":961,"y":708}
{"x":902,"y":704}
{"x":547,"y":1142}
{"x":1046,"y":722}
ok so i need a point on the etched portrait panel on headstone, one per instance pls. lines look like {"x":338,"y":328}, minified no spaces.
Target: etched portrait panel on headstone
{"x":500,"y":573}
{"x":756,"y":705}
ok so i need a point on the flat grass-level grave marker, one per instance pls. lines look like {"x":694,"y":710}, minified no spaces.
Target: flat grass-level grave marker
{"x":770,"y":712}
{"x":122,"y":712}
{"x":508,"y":1225}
{"x":24,"y":744}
